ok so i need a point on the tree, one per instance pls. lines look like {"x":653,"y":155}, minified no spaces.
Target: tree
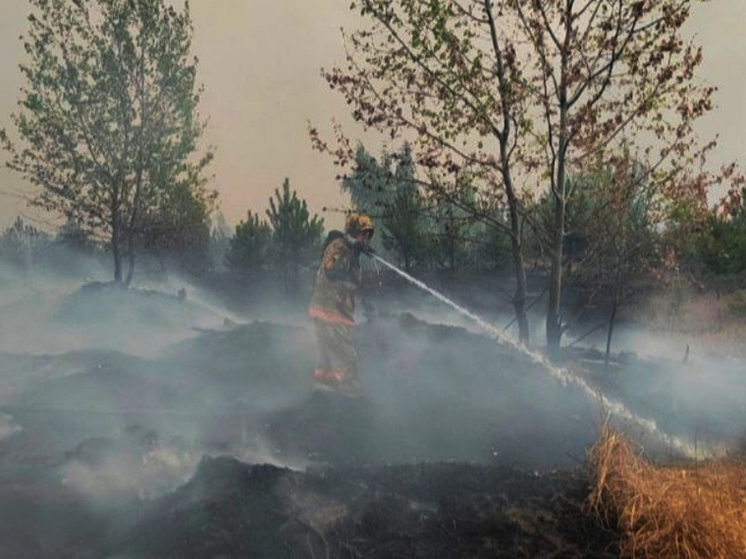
{"x":494,"y":252}
{"x":533,"y":90}
{"x":72,"y":236}
{"x":604,"y":74}
{"x":387,"y":191}
{"x":453,"y":225}
{"x":404,"y":216}
{"x":295,"y":234}
{"x":718,"y":246}
{"x":108,"y":120}
{"x":613,"y":220}
{"x":368,"y":182}
{"x":629,"y":229}
{"x":178,"y":228}
{"x":248,"y":249}
{"x":444,"y":74}
{"x":220,"y":240}
{"x":21,"y":243}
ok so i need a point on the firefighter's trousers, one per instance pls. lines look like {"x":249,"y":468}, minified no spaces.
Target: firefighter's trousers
{"x":337,"y":362}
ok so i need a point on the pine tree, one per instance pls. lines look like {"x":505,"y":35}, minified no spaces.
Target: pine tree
{"x":296,"y":236}
{"x":248,"y":249}
{"x":387,"y":190}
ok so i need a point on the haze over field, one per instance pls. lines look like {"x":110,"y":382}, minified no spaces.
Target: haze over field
{"x":162,"y":386}
{"x":260,"y":62}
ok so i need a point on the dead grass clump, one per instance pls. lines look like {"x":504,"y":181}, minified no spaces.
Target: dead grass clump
{"x":696,"y":511}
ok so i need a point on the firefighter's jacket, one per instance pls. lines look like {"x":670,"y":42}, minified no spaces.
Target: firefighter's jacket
{"x":337,"y":280}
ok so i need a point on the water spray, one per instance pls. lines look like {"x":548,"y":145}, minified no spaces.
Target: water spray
{"x":563,"y":375}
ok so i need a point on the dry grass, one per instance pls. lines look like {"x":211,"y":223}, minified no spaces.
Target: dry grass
{"x":697,"y":511}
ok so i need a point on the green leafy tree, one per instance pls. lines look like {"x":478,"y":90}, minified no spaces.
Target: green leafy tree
{"x":220,"y":239}
{"x":717,"y":247}
{"x":248,"y":249}
{"x":369,"y":182}
{"x":21,"y":243}
{"x":613,"y":219}
{"x":108,"y":120}
{"x":296,"y":236}
{"x":389,"y":192}
{"x":630,"y":244}
{"x":402,"y":228}
{"x":178,"y":229}
{"x":453,"y":226}
{"x":494,"y":251}
{"x":721,"y":247}
{"x":72,"y":236}
{"x":445,"y":73}
{"x":526,"y":92}
{"x":604,"y":75}
{"x":404,"y":218}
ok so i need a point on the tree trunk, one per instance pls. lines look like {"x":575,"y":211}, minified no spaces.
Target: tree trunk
{"x":117,"y":260}
{"x":140,"y":170}
{"x":131,"y":257}
{"x":554,"y":318}
{"x":503,"y":138}
{"x":516,"y":244}
{"x":116,"y":250}
{"x":452,"y":256}
{"x":519,"y":299}
{"x":612,"y":317}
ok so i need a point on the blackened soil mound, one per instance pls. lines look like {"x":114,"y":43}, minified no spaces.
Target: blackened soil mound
{"x":325,"y":428}
{"x":232,"y":364}
{"x":230,"y":509}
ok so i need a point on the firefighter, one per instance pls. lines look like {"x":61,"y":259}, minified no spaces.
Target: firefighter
{"x":333,"y":305}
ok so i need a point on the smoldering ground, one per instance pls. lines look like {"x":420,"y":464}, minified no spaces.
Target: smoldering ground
{"x":151,"y":381}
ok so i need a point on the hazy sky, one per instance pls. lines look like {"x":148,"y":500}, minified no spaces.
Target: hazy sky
{"x":260,"y":62}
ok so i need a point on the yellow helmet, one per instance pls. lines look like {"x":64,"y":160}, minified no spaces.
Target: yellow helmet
{"x":358,"y":222}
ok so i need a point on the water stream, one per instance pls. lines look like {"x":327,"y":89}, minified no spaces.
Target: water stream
{"x":563,"y":375}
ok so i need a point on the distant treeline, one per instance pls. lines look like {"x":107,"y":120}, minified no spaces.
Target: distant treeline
{"x":424,"y":235}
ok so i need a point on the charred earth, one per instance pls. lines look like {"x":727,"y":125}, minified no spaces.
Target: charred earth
{"x":216,"y":446}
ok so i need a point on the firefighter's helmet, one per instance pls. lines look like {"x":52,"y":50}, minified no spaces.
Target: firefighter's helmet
{"x":357,"y":223}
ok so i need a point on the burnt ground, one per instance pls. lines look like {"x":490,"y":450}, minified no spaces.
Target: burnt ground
{"x":233,"y":509}
{"x":217,"y":447}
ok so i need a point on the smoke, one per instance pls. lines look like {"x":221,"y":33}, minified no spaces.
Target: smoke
{"x":443,"y":393}
{"x":118,"y":394}
{"x":701,"y":430}
{"x":140,"y":465}
{"x":8,"y":427}
{"x":258,"y":450}
{"x":40,"y":315}
{"x":120,"y":475}
{"x":564,"y":376}
{"x":215,"y":312}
